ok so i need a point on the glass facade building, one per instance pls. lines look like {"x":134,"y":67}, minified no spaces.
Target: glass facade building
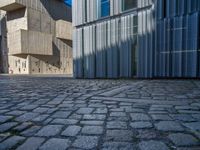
{"x":136,"y":38}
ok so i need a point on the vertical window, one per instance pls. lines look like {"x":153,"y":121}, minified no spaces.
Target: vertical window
{"x":105,"y":8}
{"x":129,"y":4}
{"x":164,"y":9}
{"x":134,"y":46}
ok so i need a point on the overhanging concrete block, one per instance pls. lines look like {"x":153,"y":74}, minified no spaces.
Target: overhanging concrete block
{"x":30,"y":42}
{"x":10,"y":5}
{"x":64,"y":30}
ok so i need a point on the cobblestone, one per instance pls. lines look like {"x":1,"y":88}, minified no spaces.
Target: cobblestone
{"x":56,"y":144}
{"x":92,"y":130}
{"x":49,"y":130}
{"x":152,"y":145}
{"x":71,"y":131}
{"x":181,"y":139}
{"x":63,"y":113}
{"x":32,"y":143}
{"x":86,"y":142}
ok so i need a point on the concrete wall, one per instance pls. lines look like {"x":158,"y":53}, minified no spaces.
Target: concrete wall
{"x":37,"y":44}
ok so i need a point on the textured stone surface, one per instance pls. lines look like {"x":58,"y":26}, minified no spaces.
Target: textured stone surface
{"x":55,"y":143}
{"x":119,"y":135}
{"x":152,"y":145}
{"x":169,"y":126}
{"x":11,"y":142}
{"x":63,"y":113}
{"x":49,"y":130}
{"x":86,"y":142}
{"x":92,"y":130}
{"x":32,"y":143}
{"x":71,"y":131}
{"x":180,"y":139}
{"x":141,"y":125}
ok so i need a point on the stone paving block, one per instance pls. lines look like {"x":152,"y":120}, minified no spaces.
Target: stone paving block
{"x":152,"y":145}
{"x":141,"y":125}
{"x":71,"y":131}
{"x":147,"y":134}
{"x":65,"y":121}
{"x":118,"y":146}
{"x":22,"y":126}
{"x":193,"y":125}
{"x":180,"y":139}
{"x":7,"y":126}
{"x":92,"y":122}
{"x":30,"y":131}
{"x":161,"y":117}
{"x":26,"y":117}
{"x":40,"y":118}
{"x":101,"y":111}
{"x":4,"y":118}
{"x":182,"y":117}
{"x":61,"y":114}
{"x":40,"y":110}
{"x":139,"y":117}
{"x":85,"y":110}
{"x":119,"y":135}
{"x":117,"y":114}
{"x":196,"y":116}
{"x":15,"y":112}
{"x":32,"y":143}
{"x":169,"y":126}
{"x":92,"y":130}
{"x":116,"y":125}
{"x":49,"y":130}
{"x":11,"y":142}
{"x":29,"y":107}
{"x":86,"y":142}
{"x":56,"y":144}
{"x":94,"y":117}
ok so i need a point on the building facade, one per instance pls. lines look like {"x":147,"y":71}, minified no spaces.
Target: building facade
{"x":136,"y":38}
{"x":39,"y":36}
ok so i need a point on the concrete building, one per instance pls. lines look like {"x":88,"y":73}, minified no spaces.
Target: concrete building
{"x":136,"y":38}
{"x":39,"y":35}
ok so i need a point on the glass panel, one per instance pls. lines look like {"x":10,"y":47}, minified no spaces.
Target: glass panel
{"x":129,"y":4}
{"x":105,"y":8}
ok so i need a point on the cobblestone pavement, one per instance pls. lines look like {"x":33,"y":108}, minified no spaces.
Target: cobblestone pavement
{"x":60,"y":113}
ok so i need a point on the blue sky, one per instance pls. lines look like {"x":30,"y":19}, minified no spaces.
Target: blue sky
{"x":68,"y":2}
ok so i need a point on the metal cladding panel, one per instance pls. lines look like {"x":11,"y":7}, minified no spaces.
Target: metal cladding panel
{"x":113,"y":49}
{"x":115,"y":7}
{"x":159,"y":9}
{"x":101,"y":44}
{"x":127,"y":45}
{"x":124,"y":48}
{"x":78,"y":53}
{"x":89,"y":52}
{"x":177,"y":47}
{"x":145,"y":44}
{"x":182,"y":7}
{"x":192,"y":45}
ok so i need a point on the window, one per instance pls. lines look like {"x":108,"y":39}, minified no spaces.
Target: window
{"x":129,"y":4}
{"x":105,"y":8}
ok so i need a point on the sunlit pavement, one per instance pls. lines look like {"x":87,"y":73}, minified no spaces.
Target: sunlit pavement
{"x":61,"y":113}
